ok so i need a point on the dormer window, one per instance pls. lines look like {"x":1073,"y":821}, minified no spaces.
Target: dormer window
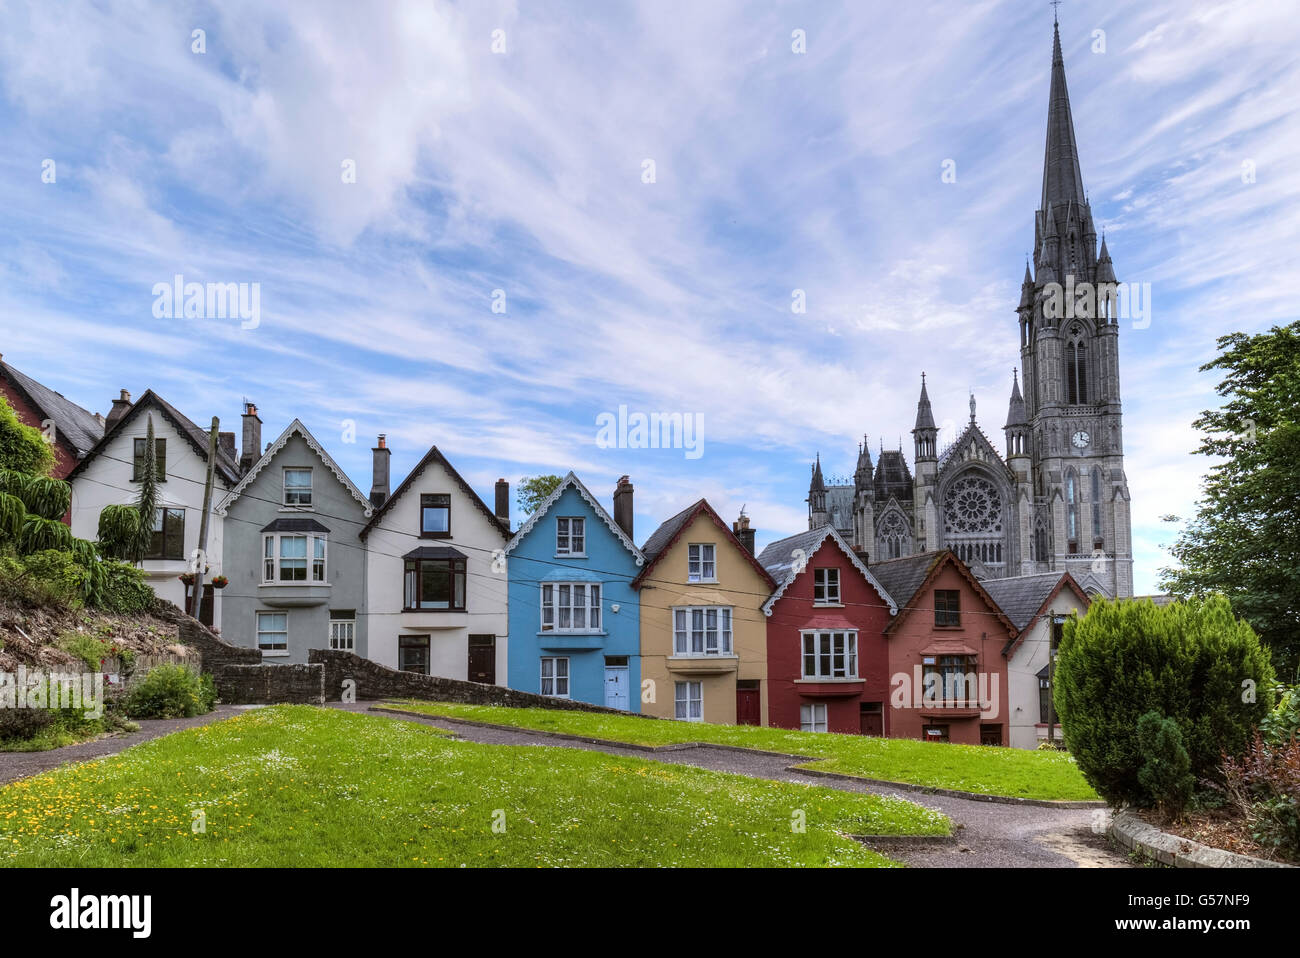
{"x":570,"y":536}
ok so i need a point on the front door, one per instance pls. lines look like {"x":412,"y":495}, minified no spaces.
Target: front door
{"x":483,"y":659}
{"x":748,"y":707}
{"x":871,"y":718}
{"x":413,"y":653}
{"x":616,"y":680}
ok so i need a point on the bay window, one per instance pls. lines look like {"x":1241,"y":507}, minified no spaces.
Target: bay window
{"x":434,"y":584}
{"x":702,"y":630}
{"x":830,"y":655}
{"x":294,"y":558}
{"x":570,"y":607}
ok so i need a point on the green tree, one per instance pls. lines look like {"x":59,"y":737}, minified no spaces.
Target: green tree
{"x":1243,"y":540}
{"x":125,"y":532}
{"x":23,"y":448}
{"x":1166,"y":770}
{"x":533,"y":490}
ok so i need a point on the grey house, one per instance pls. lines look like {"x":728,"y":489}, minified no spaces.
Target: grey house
{"x":295,"y":566}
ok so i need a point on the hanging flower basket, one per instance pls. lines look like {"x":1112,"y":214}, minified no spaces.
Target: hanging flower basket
{"x":220,"y":582}
{"x":186,"y":577}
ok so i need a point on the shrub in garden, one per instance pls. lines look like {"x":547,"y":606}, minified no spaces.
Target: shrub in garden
{"x":1264,"y":786}
{"x":21,"y":724}
{"x":1283,"y":723}
{"x":171,"y":691}
{"x":1166,"y":770}
{"x":1192,"y":662}
{"x":90,"y":650}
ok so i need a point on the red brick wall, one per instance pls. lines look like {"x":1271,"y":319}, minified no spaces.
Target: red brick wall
{"x":864,"y":608}
{"x":980,"y":629}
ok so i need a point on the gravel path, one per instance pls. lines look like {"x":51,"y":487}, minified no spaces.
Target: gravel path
{"x":989,"y":834}
{"x":16,"y":765}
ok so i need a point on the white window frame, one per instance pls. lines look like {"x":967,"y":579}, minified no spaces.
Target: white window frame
{"x":702,"y":621}
{"x":555,"y":678}
{"x":343,"y":635}
{"x":827,"y":580}
{"x":843,"y":644}
{"x":316,"y":558}
{"x":285,"y":487}
{"x":556,"y":611}
{"x":271,"y":649}
{"x":812,"y":717}
{"x":683,"y":699}
{"x":701,"y":562}
{"x":570,"y":530}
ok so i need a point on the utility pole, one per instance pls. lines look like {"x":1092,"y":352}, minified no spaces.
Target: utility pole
{"x":202,"y":558}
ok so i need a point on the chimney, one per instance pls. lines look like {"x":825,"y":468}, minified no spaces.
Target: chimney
{"x":252,"y":438}
{"x":743,"y":532}
{"x":121,"y":406}
{"x":226,"y":440}
{"x":623,"y":505}
{"x":503,"y":502}
{"x":379,"y":484}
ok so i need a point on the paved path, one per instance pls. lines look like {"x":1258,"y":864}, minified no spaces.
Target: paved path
{"x":16,"y":765}
{"x":989,"y":834}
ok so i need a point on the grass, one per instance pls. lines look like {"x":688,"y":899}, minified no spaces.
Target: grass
{"x":988,"y":770}
{"x":295,"y":786}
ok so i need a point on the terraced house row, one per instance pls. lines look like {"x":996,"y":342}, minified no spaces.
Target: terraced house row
{"x":693,"y":624}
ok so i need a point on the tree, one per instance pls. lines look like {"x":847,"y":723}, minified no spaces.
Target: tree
{"x":23,"y":448}
{"x":125,"y":532}
{"x":1243,"y":540}
{"x":533,"y":491}
{"x":1166,"y":771}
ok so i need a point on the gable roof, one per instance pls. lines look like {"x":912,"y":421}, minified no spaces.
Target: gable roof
{"x":1025,"y":598}
{"x":904,"y":578}
{"x":668,"y":533}
{"x":227,"y":467}
{"x":430,"y":457}
{"x":79,"y":428}
{"x":573,"y":481}
{"x":778,"y":559}
{"x":295,"y":428}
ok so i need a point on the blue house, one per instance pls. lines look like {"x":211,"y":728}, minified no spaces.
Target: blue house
{"x":575,"y":621}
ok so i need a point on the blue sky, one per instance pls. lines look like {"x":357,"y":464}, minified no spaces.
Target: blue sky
{"x":522,"y":171}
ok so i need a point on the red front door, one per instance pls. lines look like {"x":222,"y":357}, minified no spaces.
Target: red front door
{"x":748,"y":707}
{"x":872,"y":723}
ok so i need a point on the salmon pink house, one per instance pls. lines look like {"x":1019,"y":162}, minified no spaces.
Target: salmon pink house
{"x":827,"y":658}
{"x":947,"y":652}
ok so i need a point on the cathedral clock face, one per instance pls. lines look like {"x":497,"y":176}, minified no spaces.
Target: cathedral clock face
{"x":1081,"y":439}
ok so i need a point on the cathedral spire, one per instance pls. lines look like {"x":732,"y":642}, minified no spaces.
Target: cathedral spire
{"x":1016,"y":408}
{"x":924,"y":415}
{"x":1062,"y":181}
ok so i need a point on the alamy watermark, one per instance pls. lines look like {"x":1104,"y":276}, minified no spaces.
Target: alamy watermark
{"x":56,"y":690}
{"x":655,"y":430}
{"x":181,"y":300}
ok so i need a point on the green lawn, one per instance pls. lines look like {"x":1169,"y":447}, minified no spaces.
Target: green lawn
{"x":971,"y":768}
{"x":297,"y":786}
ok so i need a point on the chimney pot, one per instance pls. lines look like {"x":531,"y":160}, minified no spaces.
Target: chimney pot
{"x":744,"y":533}
{"x":252,"y":438}
{"x":379,"y":482}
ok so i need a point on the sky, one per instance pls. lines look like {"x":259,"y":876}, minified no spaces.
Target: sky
{"x":486,"y":225}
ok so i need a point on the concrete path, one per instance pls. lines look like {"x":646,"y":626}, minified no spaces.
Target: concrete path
{"x":16,"y":765}
{"x":988,"y":834}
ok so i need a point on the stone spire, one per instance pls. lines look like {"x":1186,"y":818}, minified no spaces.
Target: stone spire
{"x":1062,"y":180}
{"x":924,"y":415}
{"x":925,"y":433}
{"x":1016,"y":408}
{"x":1105,"y":269}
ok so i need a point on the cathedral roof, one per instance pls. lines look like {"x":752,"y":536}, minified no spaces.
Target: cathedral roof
{"x":893,"y":478}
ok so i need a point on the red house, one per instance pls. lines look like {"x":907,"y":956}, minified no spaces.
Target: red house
{"x":72,"y":430}
{"x":827,"y":660}
{"x":947,"y":664}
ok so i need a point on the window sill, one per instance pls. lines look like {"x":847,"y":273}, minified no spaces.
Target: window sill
{"x":948,"y":628}
{"x":285,"y":507}
{"x":570,"y":555}
{"x":274,"y":653}
{"x":573,"y":632}
{"x":828,"y":605}
{"x":457,"y":611}
{"x":816,"y":681}
{"x":701,"y":581}
{"x":322,"y":584}
{"x":435,"y":535}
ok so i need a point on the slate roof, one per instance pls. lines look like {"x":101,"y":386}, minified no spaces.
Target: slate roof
{"x":1021,"y":596}
{"x":433,"y":455}
{"x":667,"y":534}
{"x":779,"y":561}
{"x":227,"y":466}
{"x":902,"y":578}
{"x":294,"y":525}
{"x":79,"y":428}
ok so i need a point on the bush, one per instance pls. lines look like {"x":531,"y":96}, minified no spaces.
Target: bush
{"x":1264,"y":785}
{"x":89,"y":649}
{"x":1166,"y":769}
{"x":20,"y":586}
{"x":21,"y":724}
{"x":27,"y":729}
{"x":22,"y":447}
{"x":65,"y":576}
{"x":1190,"y":661}
{"x":1282,"y":724}
{"x":171,"y":691}
{"x":124,"y":589}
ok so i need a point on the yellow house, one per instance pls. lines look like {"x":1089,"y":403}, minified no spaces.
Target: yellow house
{"x":703,"y":632}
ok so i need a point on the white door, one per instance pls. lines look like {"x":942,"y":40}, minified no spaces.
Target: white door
{"x":616,"y":679}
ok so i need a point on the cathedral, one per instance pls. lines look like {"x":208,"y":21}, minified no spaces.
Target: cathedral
{"x":1055,"y":498}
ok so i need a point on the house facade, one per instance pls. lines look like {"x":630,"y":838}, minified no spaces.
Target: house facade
{"x":292,"y":553}
{"x":436,"y":576}
{"x":575,"y":620}
{"x":109,"y":474}
{"x":947,"y":661}
{"x":1038,"y":605}
{"x":703,"y":632}
{"x":72,"y":430}
{"x":827,"y":656}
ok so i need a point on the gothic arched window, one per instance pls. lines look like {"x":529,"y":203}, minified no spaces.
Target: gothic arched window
{"x":1040,"y":540}
{"x":892,"y":536}
{"x":1096,"y":505}
{"x":1072,"y":510}
{"x":1076,"y":367}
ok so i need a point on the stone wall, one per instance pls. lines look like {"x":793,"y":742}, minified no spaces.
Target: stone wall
{"x":374,"y":681}
{"x":271,"y":684}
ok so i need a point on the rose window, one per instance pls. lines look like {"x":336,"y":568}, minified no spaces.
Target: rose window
{"x":972,"y":506}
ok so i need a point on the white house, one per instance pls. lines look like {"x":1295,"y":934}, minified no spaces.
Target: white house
{"x":436,"y":584}
{"x":109,"y":474}
{"x":1038,"y":606}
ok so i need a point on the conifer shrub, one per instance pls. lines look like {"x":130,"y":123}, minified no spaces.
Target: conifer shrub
{"x":1166,"y":771}
{"x":1192,"y":662}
